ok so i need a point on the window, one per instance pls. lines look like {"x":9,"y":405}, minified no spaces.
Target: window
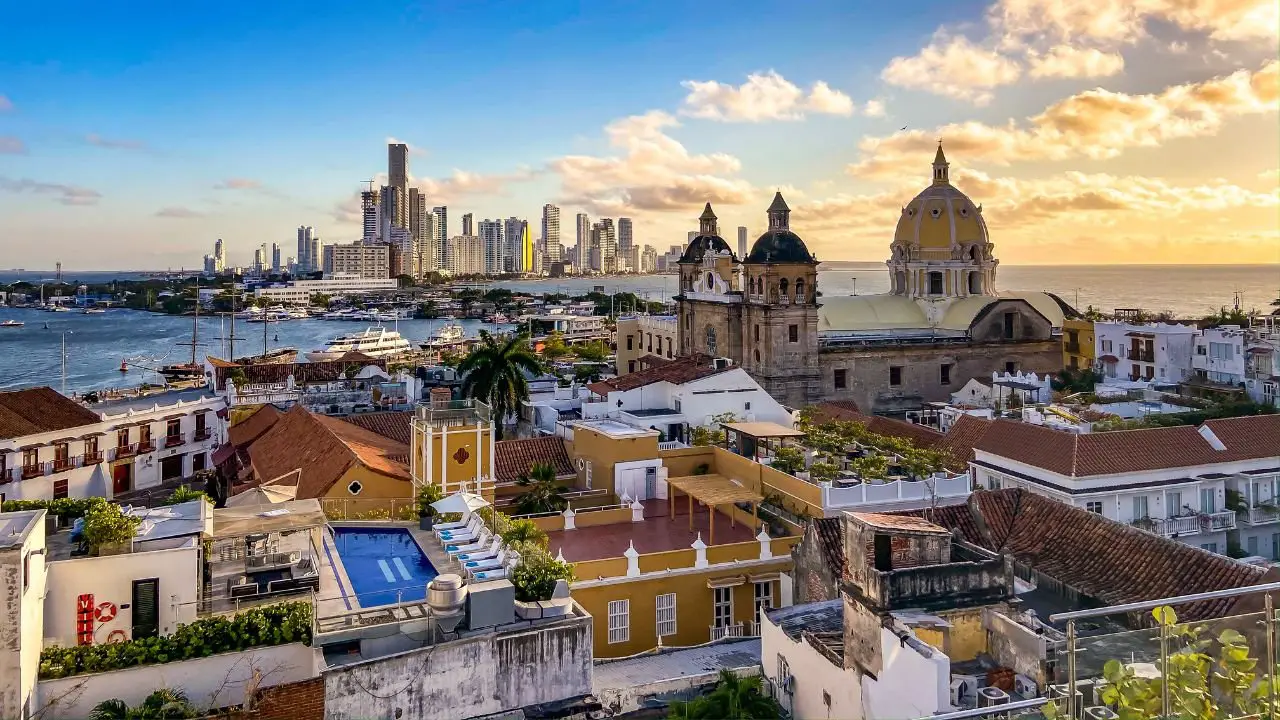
{"x":144,"y":434}
{"x":1220,"y":351}
{"x":1106,"y":346}
{"x":944,"y":374}
{"x":1174,"y":500}
{"x":895,"y":376}
{"x":793,"y":333}
{"x":200,"y":424}
{"x":1275,"y":545}
{"x":650,"y":338}
{"x":1208,"y":501}
{"x":757,"y":356}
{"x":173,"y":430}
{"x":755,"y":333}
{"x":764,"y":598}
{"x":722,"y":607}
{"x":711,"y":281}
{"x":59,"y":489}
{"x":1094,"y":506}
{"x":619,"y":621}
{"x":30,"y":460}
{"x":1011,"y":367}
{"x":841,"y":378}
{"x":1140,"y":508}
{"x":629,"y":342}
{"x":782,"y":287}
{"x":1211,"y":547}
{"x":90,"y":448}
{"x":935,"y":283}
{"x":355,"y":487}
{"x":197,"y":462}
{"x":799,"y":290}
{"x":61,"y":455}
{"x":711,"y":340}
{"x":1251,"y":545}
{"x":631,"y":366}
{"x":668,"y":347}
{"x":666,"y":615}
{"x":122,"y":437}
{"x":1008,"y":325}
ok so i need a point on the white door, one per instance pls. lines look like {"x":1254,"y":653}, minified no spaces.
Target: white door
{"x":631,"y":482}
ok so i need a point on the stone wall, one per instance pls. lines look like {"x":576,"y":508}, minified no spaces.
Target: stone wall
{"x":491,"y":673}
{"x":816,"y":580}
{"x":867,"y":370}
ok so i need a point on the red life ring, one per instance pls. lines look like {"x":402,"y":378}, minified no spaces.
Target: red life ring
{"x":117,"y":636}
{"x":105,"y":612}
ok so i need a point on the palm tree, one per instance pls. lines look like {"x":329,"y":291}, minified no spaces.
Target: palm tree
{"x":495,"y":372}
{"x":542,"y":493}
{"x":113,"y":709}
{"x":734,"y":698}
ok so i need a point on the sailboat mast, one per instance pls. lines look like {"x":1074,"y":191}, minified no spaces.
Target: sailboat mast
{"x":231,"y":352}
{"x":195,"y":324}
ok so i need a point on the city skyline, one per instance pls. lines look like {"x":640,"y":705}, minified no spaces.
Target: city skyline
{"x":1147,"y":135}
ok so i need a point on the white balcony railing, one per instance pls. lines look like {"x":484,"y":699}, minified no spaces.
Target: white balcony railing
{"x":833,"y":497}
{"x":671,"y":445}
{"x":1188,"y":524}
{"x":736,"y":630}
{"x":1262,"y":515}
{"x":1225,"y":520}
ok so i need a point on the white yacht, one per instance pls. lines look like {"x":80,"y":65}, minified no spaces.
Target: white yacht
{"x":445,"y":336}
{"x":374,"y":342}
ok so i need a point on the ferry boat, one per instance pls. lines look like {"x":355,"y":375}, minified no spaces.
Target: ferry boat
{"x":95,"y":311}
{"x":182,"y":371}
{"x":374,"y":342}
{"x":498,"y":319}
{"x":446,"y":336}
{"x":12,"y":323}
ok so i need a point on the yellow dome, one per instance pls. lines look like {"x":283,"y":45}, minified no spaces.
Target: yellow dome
{"x":940,"y":217}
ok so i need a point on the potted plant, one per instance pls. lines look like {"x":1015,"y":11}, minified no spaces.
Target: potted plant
{"x":426,"y":514}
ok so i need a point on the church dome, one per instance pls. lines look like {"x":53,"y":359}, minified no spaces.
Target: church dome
{"x":778,"y":244}
{"x":940,"y":217}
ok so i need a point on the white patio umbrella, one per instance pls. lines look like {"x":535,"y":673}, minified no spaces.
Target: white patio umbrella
{"x":263,"y":495}
{"x":463,"y":502}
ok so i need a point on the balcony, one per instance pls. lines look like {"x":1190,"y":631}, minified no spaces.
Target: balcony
{"x":736,"y":630}
{"x":1139,"y":355}
{"x":146,"y":446}
{"x":63,"y":464}
{"x":124,"y":451}
{"x":1261,"y":515}
{"x":1072,"y":348}
{"x":93,"y":458}
{"x":1186,"y":525}
{"x":201,"y":435}
{"x":174,"y":440}
{"x":32,"y":471}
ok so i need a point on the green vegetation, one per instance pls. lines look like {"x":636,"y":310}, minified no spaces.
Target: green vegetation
{"x":495,"y":372}
{"x":1216,"y":411}
{"x":1234,"y":316}
{"x":711,"y":434}
{"x":831,"y":438}
{"x":258,"y":627}
{"x":541,"y":492}
{"x":185,"y":494}
{"x":1076,"y":381}
{"x":64,"y":508}
{"x":788,"y":459}
{"x":591,"y":352}
{"x":107,"y":525}
{"x":163,"y":704}
{"x":1207,"y":678}
{"x":426,"y":496}
{"x":734,"y":698}
{"x":536,"y":573}
{"x":554,"y":346}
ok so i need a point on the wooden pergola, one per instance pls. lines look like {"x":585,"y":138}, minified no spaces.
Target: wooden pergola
{"x":759,"y":432}
{"x":712,"y":490}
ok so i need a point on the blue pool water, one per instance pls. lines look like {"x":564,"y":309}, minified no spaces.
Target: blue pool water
{"x":385,"y":566}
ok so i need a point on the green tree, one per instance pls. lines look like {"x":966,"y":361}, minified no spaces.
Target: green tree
{"x":789,"y":460}
{"x":320,"y":300}
{"x":541,"y":493}
{"x":495,"y":372}
{"x":734,"y":698}
{"x":523,"y":532}
{"x":536,"y":573}
{"x":588,"y":373}
{"x":405,"y":281}
{"x":554,"y":347}
{"x":823,"y":471}
{"x":163,"y":704}
{"x":429,"y":494}
{"x":871,"y":466}
{"x":591,"y":352}
{"x":108,"y":525}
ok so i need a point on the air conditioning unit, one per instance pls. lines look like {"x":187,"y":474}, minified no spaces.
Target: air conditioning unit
{"x":992,"y":696}
{"x":964,"y":691}
{"x":1100,"y":712}
{"x":1025,"y":687}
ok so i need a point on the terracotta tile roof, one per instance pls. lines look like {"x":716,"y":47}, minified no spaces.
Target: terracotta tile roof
{"x":391,"y":425}
{"x":40,"y":410}
{"x":960,"y":439}
{"x":1103,"y":453}
{"x":325,"y":448}
{"x":513,"y":458}
{"x":831,"y":542}
{"x":1255,"y":436}
{"x":845,"y":411}
{"x":1106,"y":560}
{"x":677,"y":372}
{"x":886,"y":521}
{"x":252,"y":427}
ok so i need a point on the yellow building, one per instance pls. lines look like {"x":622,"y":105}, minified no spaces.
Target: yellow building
{"x":1077,"y":344}
{"x":452,"y":445}
{"x":645,"y":335}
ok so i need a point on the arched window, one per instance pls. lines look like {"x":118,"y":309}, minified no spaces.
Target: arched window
{"x":711,"y":340}
{"x":799,"y":290}
{"x":711,"y":281}
{"x":757,"y":356}
{"x":782,"y":287}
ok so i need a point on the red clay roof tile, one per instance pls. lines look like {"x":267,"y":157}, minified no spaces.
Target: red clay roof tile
{"x":677,"y":372}
{"x":40,"y":410}
{"x":513,"y":458}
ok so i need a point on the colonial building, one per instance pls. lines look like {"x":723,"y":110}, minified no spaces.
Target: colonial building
{"x":942,"y":323}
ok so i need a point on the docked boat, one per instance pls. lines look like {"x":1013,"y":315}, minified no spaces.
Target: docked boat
{"x":298,"y":313}
{"x":182,"y":371}
{"x":95,"y":311}
{"x":12,"y":323}
{"x":59,"y":308}
{"x":375,"y":342}
{"x":498,"y":319}
{"x":446,"y":336}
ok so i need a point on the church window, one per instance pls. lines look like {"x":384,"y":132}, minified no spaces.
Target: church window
{"x":711,"y":281}
{"x":799,"y":290}
{"x":935,"y":212}
{"x":711,"y":340}
{"x":975,"y":283}
{"x":793,"y":333}
{"x":935,"y":283}
{"x":755,"y":333}
{"x":782,"y":287}
{"x":841,"y":378}
{"x":757,"y":356}
{"x":895,"y":376}
{"x":945,"y":374}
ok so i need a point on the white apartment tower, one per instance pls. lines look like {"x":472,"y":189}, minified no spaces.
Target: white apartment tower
{"x":467,"y":255}
{"x":276,"y":265}
{"x":398,"y":167}
{"x":583,"y":235}
{"x":604,"y":246}
{"x":219,"y":256}
{"x":491,"y":234}
{"x":513,"y":231}
{"x":742,"y":242}
{"x":626,"y":246}
{"x":306,"y":261}
{"x":442,"y":237}
{"x":468,"y":224}
{"x":551,"y":233}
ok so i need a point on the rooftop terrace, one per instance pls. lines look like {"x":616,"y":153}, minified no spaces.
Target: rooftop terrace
{"x":658,"y":533}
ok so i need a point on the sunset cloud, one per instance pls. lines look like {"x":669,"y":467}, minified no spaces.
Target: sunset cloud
{"x":763,"y":97}
{"x":238,"y":184}
{"x":1065,"y":61}
{"x":178,"y":212}
{"x":953,"y":67}
{"x":65,"y":194}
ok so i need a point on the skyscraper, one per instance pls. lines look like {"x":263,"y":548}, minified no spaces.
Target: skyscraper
{"x":395,"y":205}
{"x":551,"y":233}
{"x":417,"y":212}
{"x":742,"y":242}
{"x":513,"y":231}
{"x":468,"y":224}
{"x":494,"y":244}
{"x":276,"y":265}
{"x":315,"y":259}
{"x":583,"y":235}
{"x":260,"y":258}
{"x":369,"y":200}
{"x":467,"y":255}
{"x":427,"y":246}
{"x":625,"y":242}
{"x":442,"y":237}
{"x":219,"y":256}
{"x":398,"y":167}
{"x":603,"y":247}
{"x":305,"y":233}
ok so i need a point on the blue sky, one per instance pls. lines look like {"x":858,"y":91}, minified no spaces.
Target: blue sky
{"x":117,"y":129}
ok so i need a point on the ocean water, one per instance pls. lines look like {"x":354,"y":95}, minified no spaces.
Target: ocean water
{"x":96,"y":344}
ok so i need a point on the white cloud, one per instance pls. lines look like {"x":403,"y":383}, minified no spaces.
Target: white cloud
{"x":1065,"y":61}
{"x":178,"y":212}
{"x":413,"y":149}
{"x":873,"y":108}
{"x":66,"y":194}
{"x":1126,"y":21}
{"x":763,"y":97}
{"x":10,"y":145}
{"x":1095,"y":124}
{"x":238,"y":184}
{"x":114,"y":143}
{"x":953,"y":67}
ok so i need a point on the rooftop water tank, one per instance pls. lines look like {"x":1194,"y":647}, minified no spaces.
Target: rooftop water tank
{"x":447,"y":597}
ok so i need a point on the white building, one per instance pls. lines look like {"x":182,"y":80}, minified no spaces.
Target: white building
{"x":742,"y":242}
{"x":551,"y":233}
{"x":22,"y":591}
{"x":370,"y":261}
{"x":1262,"y":369}
{"x":1157,"y":351}
{"x":64,"y":449}
{"x":306,"y":261}
{"x":299,"y":292}
{"x":1219,"y":356}
{"x":1210,"y":486}
{"x":687,"y":392}
{"x":467,"y":255}
{"x":491,"y":234}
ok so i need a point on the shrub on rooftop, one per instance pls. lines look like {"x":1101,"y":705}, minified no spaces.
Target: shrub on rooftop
{"x":64,"y":508}
{"x":107,"y":524}
{"x":536,"y":573}
{"x":277,"y":624}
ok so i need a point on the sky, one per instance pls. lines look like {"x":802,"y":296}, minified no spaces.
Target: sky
{"x":1091,"y":131}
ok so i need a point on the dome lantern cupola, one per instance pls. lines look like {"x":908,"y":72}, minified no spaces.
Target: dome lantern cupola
{"x":707,"y":222}
{"x":941,"y":168}
{"x":779,"y":213}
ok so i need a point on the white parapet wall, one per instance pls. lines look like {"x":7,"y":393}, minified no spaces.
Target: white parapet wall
{"x":216,"y":681}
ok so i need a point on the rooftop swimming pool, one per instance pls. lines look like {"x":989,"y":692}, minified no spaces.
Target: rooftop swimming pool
{"x":384,"y":566}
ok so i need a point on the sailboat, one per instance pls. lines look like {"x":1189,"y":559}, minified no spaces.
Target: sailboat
{"x":191,"y":370}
